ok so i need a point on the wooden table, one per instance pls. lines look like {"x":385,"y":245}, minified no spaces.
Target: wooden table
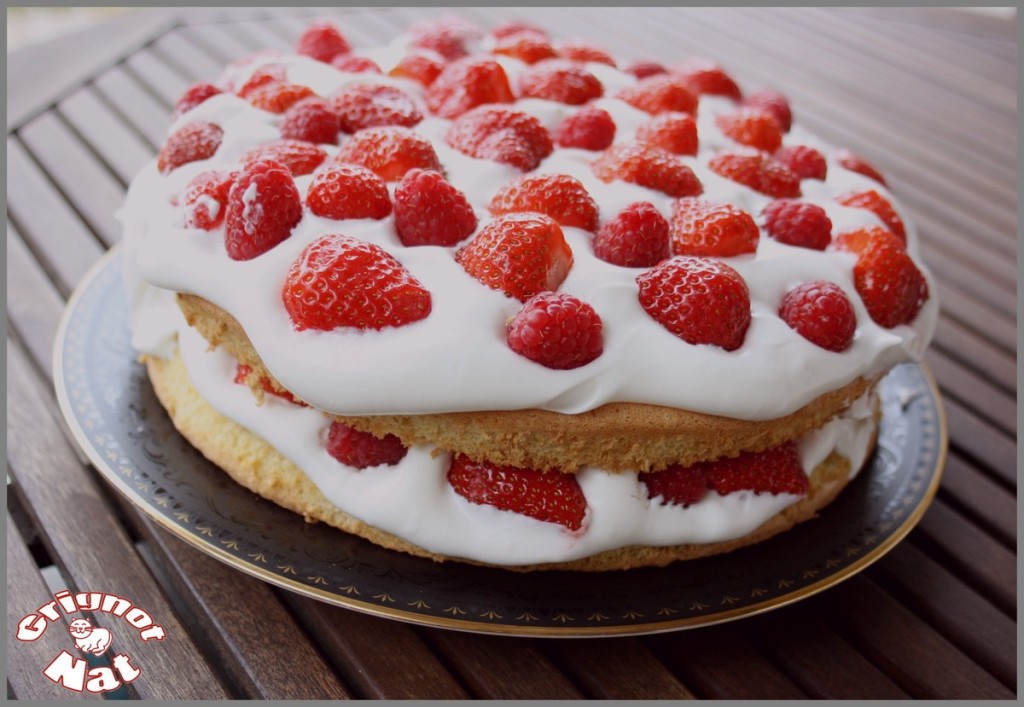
{"x":928,"y":95}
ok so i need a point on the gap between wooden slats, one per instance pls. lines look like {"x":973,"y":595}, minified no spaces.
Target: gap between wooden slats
{"x":222,"y":45}
{"x":980,"y":356}
{"x":147,"y":115}
{"x":242,"y":623}
{"x":985,"y":322}
{"x":33,"y":304}
{"x":916,"y":656}
{"x":26,"y":592}
{"x":177,"y":50}
{"x":973,"y":283}
{"x":987,"y":503}
{"x":964,"y":617}
{"x":986,"y":446}
{"x":166,"y":82}
{"x":109,"y":136}
{"x":255,"y":35}
{"x":976,"y":394}
{"x":352,"y":642}
{"x":70,"y":510}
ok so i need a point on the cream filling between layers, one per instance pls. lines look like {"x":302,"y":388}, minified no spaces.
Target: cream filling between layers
{"x":413,"y":501}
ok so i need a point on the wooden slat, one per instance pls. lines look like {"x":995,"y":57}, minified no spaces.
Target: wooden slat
{"x":216,"y":42}
{"x":85,"y":183}
{"x":84,"y":538}
{"x":617,"y":669}
{"x":33,"y":304}
{"x":987,"y":503}
{"x":120,"y":147}
{"x":240,"y":620}
{"x":26,"y":592}
{"x":164,"y":80}
{"x":141,"y":110}
{"x":967,"y":281}
{"x":177,"y":50}
{"x":970,"y":435}
{"x":46,"y":222}
{"x":257,"y":36}
{"x":509,"y":669}
{"x":378,"y":658}
{"x":984,"y":359}
{"x":975,"y":393}
{"x":975,"y":315}
{"x":912,"y":653}
{"x":951,"y":607}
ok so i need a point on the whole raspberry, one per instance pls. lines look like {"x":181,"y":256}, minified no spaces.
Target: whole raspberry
{"x":677,"y":485}
{"x":798,"y":223}
{"x":647,"y":166}
{"x":774,"y":103}
{"x":341,"y":191}
{"x":879,"y":206}
{"x":643,"y":69}
{"x":338,"y":281}
{"x":366,"y":105}
{"x":421,"y":66}
{"x":891,"y":286}
{"x":525,"y":47}
{"x":352,"y":64}
{"x":576,"y":50}
{"x":361,"y":449}
{"x":805,"y":162}
{"x":311,"y":120}
{"x":751,"y":127}
{"x":590,"y":128}
{"x":193,"y":96}
{"x":389,"y":151}
{"x":430,"y":211}
{"x":560,"y":196}
{"x":636,"y":237}
{"x":821,"y":313}
{"x":518,"y":254}
{"x":501,"y":135}
{"x":447,"y":38}
{"x":855,"y":163}
{"x":557,"y":331}
{"x":757,"y":171}
{"x":704,"y":76}
{"x":466,"y":84}
{"x":206,"y":197}
{"x":675,"y":132}
{"x":298,"y":156}
{"x":700,"y":227}
{"x":263,"y":207}
{"x":702,"y":301}
{"x":660,"y":93}
{"x":189,"y":143}
{"x":557,"y":81}
{"x":279,"y":97}
{"x":322,"y":41}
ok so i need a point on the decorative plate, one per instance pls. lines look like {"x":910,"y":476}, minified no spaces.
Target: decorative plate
{"x":116,"y":418}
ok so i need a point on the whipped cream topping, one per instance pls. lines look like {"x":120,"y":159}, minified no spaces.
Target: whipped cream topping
{"x":456,"y":359}
{"x":413,"y":500}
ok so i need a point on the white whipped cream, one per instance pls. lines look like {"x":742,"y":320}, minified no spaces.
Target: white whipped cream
{"x":456,"y":359}
{"x":413,"y":500}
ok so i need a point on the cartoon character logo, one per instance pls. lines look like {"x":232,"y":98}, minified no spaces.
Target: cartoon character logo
{"x":89,"y":638}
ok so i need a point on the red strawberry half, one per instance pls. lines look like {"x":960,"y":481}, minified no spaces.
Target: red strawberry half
{"x":549,"y":496}
{"x":341,"y":191}
{"x":699,"y":227}
{"x":647,"y":166}
{"x":196,"y":94}
{"x":660,"y":93}
{"x":361,"y":449}
{"x":588,"y":129}
{"x":389,"y":151}
{"x":675,"y":132}
{"x":891,"y":286}
{"x":705,"y":76}
{"x":466,"y":84}
{"x":751,"y":127}
{"x":298,"y":156}
{"x":560,"y":196}
{"x":206,"y":197}
{"x":322,"y":41}
{"x":263,"y":207}
{"x":879,"y":206}
{"x":757,"y":171}
{"x":311,"y":120}
{"x":501,"y":135}
{"x":557,"y":81}
{"x":373,"y":105}
{"x":338,"y":281}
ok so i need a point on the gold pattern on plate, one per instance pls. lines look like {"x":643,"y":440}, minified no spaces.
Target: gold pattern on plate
{"x":287,"y":569}
{"x":758,"y":591}
{"x":729,"y":599}
{"x":785,"y":583}
{"x":491,"y":614}
{"x":384,"y":597}
{"x":317,"y":579}
{"x":258,"y":556}
{"x":230,"y":544}
{"x":454,"y":611}
{"x":809,"y":574}
{"x":563,"y":617}
{"x":527,"y":617}
{"x":419,"y":604}
{"x":667,"y":611}
{"x":597,"y":616}
{"x":350,"y":590}
{"x":205,"y":530}
{"x":633,"y":614}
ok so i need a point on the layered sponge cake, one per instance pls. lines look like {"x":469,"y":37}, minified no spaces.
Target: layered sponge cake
{"x":494,"y":297}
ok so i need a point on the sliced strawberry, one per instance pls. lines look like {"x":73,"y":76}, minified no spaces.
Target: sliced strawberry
{"x":518,"y":254}
{"x":855,"y":241}
{"x":298,"y":156}
{"x":891,"y":286}
{"x":279,"y":97}
{"x":341,"y":191}
{"x":500,"y":135}
{"x":774,"y":471}
{"x":637,"y":237}
{"x":805,"y":162}
{"x":675,"y":132}
{"x":576,"y":50}
{"x":702,"y":301}
{"x":311,"y":120}
{"x":643,"y":69}
{"x":757,"y":171}
{"x":263,"y":76}
{"x":513,"y":28}
{"x":858,"y":164}
{"x":561,"y":82}
{"x":193,"y":96}
{"x":466,"y":84}
{"x":560,"y":196}
{"x":367,"y":105}
{"x":322,"y":41}
{"x":798,"y":223}
{"x":362,"y":450}
{"x":525,"y":47}
{"x":420,"y":66}
{"x":556,"y":330}
{"x":677,"y":485}
{"x":189,"y":143}
{"x":430,"y":211}
{"x":206,"y":197}
{"x":588,"y":129}
{"x":751,"y":127}
{"x":699,"y":227}
{"x":263,"y":207}
{"x":647,"y":166}
{"x":353,"y":64}
{"x":338,"y":281}
{"x":389,"y":151}
{"x":549,"y":496}
{"x":705,"y":76}
{"x":879,"y":206}
{"x":820,"y":312}
{"x":773,"y":103}
{"x":660,"y":93}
